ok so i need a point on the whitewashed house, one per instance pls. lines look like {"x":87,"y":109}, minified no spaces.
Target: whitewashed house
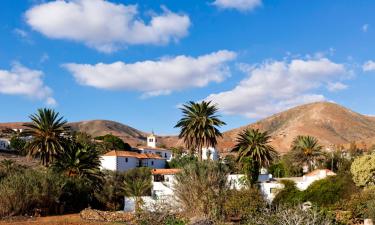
{"x":210,"y":153}
{"x":4,"y":144}
{"x":125,"y":160}
{"x":162,"y":182}
{"x":151,"y":148}
{"x":270,"y":187}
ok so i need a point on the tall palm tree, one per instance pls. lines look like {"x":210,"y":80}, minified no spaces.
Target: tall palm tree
{"x":47,"y":130}
{"x":254,"y":151}
{"x":199,"y":126}
{"x":306,"y":150}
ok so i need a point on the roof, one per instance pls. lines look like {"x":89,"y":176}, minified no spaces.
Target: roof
{"x":132,"y":154}
{"x":317,"y":172}
{"x":151,"y":148}
{"x":165,"y":171}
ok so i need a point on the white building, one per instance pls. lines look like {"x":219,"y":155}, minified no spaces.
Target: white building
{"x":124,"y":160}
{"x":163,"y":182}
{"x":152,"y":149}
{"x":270,"y":187}
{"x":210,"y":153}
{"x":4,"y":144}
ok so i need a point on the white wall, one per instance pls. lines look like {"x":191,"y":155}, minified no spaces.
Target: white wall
{"x":126,"y":163}
{"x":209,"y":153}
{"x":108,"y":163}
{"x":4,"y":144}
{"x":270,"y":189}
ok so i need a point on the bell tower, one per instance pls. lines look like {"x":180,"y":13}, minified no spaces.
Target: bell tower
{"x":151,"y":140}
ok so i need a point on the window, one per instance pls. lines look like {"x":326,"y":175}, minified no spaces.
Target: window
{"x":126,"y":159}
{"x":165,"y":155}
{"x":152,"y":163}
{"x":151,"y":140}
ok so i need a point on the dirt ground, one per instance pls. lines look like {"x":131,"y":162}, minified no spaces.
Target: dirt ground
{"x":72,"y":219}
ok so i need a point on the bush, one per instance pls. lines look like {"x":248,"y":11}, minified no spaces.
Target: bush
{"x":182,"y":161}
{"x":201,"y":189}
{"x":329,"y":191}
{"x":292,"y":216}
{"x":363,"y":170}
{"x":289,"y":195}
{"x":362,"y":205}
{"x":242,"y":204}
{"x":23,"y":193}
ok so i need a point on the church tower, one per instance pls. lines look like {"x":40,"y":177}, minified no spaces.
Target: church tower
{"x":151,"y":140}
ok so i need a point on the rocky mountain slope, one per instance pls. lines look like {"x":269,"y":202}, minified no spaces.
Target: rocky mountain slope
{"x":329,"y":122}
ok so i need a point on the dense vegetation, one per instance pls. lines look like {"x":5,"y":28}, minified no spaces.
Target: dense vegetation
{"x":69,"y":178}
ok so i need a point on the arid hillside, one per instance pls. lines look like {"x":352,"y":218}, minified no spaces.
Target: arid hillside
{"x":329,"y":122}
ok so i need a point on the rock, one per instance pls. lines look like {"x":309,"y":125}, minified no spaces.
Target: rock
{"x":200,"y":221}
{"x":105,"y":216}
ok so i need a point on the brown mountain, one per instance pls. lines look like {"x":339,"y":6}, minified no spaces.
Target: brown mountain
{"x":329,"y":122}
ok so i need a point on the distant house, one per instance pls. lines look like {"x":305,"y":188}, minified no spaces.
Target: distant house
{"x":270,"y":187}
{"x":210,"y":153}
{"x":125,"y":160}
{"x":151,"y":148}
{"x":4,"y":144}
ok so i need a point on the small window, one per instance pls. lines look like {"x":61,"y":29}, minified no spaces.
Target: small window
{"x":165,"y":155}
{"x":126,"y":159}
{"x":152,"y":163}
{"x":151,"y":140}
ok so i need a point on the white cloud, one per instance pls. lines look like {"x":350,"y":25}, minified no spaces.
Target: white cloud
{"x":365,"y":27}
{"x":368,"y":66}
{"x":278,"y":85}
{"x":105,"y":26}
{"x":26,"y":82}
{"x":154,"y":78}
{"x":241,"y":5}
{"x":336,"y":86}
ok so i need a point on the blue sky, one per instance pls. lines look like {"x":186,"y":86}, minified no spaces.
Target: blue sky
{"x":136,"y":61}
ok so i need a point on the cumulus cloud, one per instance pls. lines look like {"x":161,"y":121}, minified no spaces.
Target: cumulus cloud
{"x":20,"y":80}
{"x":274,"y":86}
{"x":241,"y":5}
{"x":103,"y":25}
{"x":154,"y":78}
{"x":368,"y":66}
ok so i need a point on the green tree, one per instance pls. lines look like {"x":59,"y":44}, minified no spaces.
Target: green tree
{"x":254,"y":151}
{"x":306,"y":150}
{"x":363,"y":170}
{"x":199,"y":126}
{"x":18,"y":144}
{"x":79,"y":161}
{"x":137,"y":183}
{"x":47,"y":130}
{"x":112,"y":142}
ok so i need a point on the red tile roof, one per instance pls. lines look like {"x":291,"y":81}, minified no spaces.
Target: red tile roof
{"x":165,"y":171}
{"x":133,"y":154}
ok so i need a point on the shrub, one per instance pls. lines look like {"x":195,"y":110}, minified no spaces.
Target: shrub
{"x":22,"y":193}
{"x":327,"y":192}
{"x":242,"y":204}
{"x":362,"y":205}
{"x":292,"y":216}
{"x":289,"y":195}
{"x":363,"y":170}
{"x":201,"y":189}
{"x":182,"y":161}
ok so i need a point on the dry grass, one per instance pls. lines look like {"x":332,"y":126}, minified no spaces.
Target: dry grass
{"x":71,"y":219}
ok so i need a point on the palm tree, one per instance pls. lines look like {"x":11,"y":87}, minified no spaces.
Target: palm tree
{"x":137,"y":183}
{"x":199,"y":126}
{"x":79,"y":161}
{"x":47,"y":130}
{"x":254,"y":151}
{"x":306,"y":150}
